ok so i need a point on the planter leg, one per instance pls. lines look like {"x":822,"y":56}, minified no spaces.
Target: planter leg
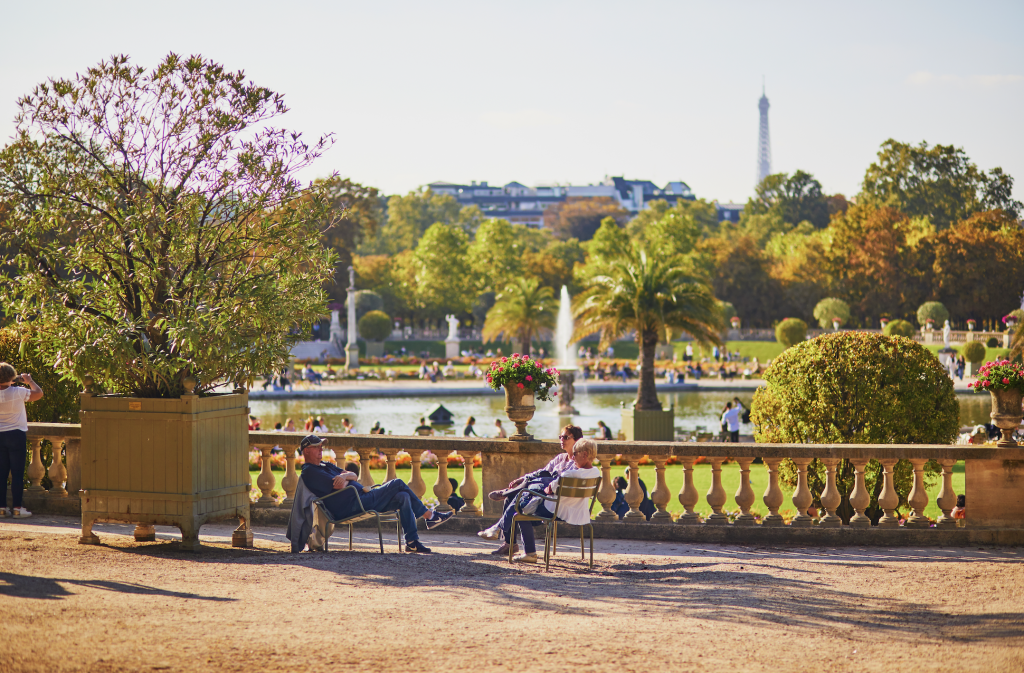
{"x":88,"y":537}
{"x":190,"y":537}
{"x":145,"y":532}
{"x":242,"y":536}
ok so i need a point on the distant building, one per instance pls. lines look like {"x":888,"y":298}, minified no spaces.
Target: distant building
{"x":729,"y":212}
{"x":520,"y":204}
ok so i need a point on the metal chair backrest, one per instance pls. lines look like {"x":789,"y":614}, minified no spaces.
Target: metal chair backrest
{"x":578,"y":488}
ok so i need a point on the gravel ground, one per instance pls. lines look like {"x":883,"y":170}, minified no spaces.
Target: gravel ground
{"x":128,"y":606}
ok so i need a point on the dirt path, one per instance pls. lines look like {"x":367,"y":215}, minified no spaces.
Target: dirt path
{"x":129,"y":606}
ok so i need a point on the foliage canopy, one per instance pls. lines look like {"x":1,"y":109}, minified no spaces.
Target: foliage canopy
{"x":790,"y":332}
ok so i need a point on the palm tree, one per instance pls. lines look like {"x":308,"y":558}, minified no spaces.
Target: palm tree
{"x":522,"y":311}
{"x":650,"y":296}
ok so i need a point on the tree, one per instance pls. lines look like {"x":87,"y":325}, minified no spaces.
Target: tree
{"x":381,"y":274}
{"x":554,"y":266}
{"x":353,"y":212}
{"x":580,"y":217}
{"x":740,"y":274}
{"x":790,"y":332}
{"x":161,"y":232}
{"x":496,"y":255}
{"x":940,"y":183}
{"x":792,"y":198}
{"x":827,"y":310}
{"x":798,"y":264}
{"x":880,"y":261}
{"x":650,"y":296}
{"x":978,"y":270}
{"x":409,"y":217}
{"x":934,"y":311}
{"x":444,"y":279}
{"x":664,"y":230}
{"x":521,"y":312}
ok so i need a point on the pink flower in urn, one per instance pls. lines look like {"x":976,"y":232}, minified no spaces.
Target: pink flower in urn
{"x":504,"y":359}
{"x":520,"y":385}
{"x":488,"y":379}
{"x":526,"y":357}
{"x":555,"y":394}
{"x":530,"y":378}
{"x":1006,"y":381}
{"x":515,"y":355}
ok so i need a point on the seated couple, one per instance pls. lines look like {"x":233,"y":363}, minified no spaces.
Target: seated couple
{"x":576,"y":463}
{"x":323,"y":478}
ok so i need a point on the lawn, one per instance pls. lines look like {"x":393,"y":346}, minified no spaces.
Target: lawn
{"x":674,"y":478}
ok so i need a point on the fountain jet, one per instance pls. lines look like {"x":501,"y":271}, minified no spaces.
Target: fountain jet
{"x":566,"y":355}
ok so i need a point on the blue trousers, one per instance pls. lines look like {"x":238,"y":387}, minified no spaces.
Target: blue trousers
{"x":396,"y":495}
{"x":13,"y":447}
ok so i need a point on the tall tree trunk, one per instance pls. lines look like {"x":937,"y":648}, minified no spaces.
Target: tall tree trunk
{"x":647,"y":394}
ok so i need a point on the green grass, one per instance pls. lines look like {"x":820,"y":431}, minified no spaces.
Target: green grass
{"x":674,"y":479}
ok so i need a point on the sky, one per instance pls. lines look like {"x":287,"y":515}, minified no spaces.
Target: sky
{"x":569,"y":92}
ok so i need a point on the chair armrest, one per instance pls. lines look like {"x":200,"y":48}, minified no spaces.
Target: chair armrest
{"x":342,"y":490}
{"x":539,"y":494}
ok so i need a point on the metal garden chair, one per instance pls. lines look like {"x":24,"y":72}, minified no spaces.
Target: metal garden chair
{"x":567,"y":488}
{"x":362,"y":515}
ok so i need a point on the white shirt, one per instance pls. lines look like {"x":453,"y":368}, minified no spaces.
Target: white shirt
{"x":732,"y":417}
{"x":573,"y":510}
{"x":12,"y":409}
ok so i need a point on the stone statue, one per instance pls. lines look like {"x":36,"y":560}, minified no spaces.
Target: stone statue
{"x":946,"y":334}
{"x":453,"y":327}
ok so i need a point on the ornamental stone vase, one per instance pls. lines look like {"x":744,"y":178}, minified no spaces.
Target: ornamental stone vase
{"x":519,"y":408}
{"x":1006,"y":414}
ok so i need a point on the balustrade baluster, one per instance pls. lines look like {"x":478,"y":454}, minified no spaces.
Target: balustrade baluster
{"x":36,"y":469}
{"x":688,"y":496}
{"x":391,"y":456}
{"x":860,"y":499}
{"x":442,"y":487}
{"x":266,"y":480}
{"x":830,"y":498}
{"x":291,"y":478}
{"x":469,"y":489}
{"x":716,"y":495}
{"x":365,"y":478}
{"x":58,"y":473}
{"x":772,"y":497}
{"x":947,"y":497}
{"x":888,"y":499}
{"x":660,"y":496}
{"x":634,"y":494}
{"x":416,"y":483}
{"x":802,"y":497}
{"x":918,"y":498}
{"x":745,"y":494}
{"x":606,"y":494}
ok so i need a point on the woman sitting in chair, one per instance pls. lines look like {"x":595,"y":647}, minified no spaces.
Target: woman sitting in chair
{"x":570,"y":510}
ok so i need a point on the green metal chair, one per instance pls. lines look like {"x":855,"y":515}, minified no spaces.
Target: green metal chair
{"x":362,"y":515}
{"x":567,"y":488}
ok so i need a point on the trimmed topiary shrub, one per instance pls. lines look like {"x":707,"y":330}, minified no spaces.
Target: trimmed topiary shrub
{"x":899,"y":328}
{"x":856,"y":388}
{"x":829,"y":308}
{"x":934,"y":310}
{"x":974,"y":351}
{"x":791,"y":331}
{"x":992,"y":342}
{"x":375,"y":326}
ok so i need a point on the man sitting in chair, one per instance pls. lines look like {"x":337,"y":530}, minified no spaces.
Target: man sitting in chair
{"x":324,"y":478}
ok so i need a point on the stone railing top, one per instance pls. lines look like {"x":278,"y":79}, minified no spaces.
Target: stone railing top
{"x":654,"y":449}
{"x":69,"y":430}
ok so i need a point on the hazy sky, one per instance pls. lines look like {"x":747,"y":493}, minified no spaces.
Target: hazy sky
{"x":573,"y":91}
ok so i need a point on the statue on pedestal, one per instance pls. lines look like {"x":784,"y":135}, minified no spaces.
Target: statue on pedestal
{"x":451,"y":342}
{"x":946,"y":334}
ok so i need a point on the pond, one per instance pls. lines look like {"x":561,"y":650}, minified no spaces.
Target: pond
{"x":400,"y":415}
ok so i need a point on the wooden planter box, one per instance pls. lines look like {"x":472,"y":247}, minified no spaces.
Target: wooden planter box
{"x":648,"y":425}
{"x":174,"y":462}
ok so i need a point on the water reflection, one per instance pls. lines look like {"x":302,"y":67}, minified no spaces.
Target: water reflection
{"x":401,"y":415}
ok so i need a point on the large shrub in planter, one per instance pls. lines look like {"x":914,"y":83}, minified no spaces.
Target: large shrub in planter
{"x":829,"y":308}
{"x":856,"y":388}
{"x":974,"y":351}
{"x":935,"y":310}
{"x":159,"y":229}
{"x":375,"y":326}
{"x":791,"y":331}
{"x":899,"y":328}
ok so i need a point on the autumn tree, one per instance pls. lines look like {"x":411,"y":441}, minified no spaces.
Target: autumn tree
{"x":580,"y":217}
{"x":939,"y":182}
{"x":792,"y":198}
{"x":740,"y":274}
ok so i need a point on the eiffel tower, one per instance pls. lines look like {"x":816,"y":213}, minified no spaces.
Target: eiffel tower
{"x":764,"y":143}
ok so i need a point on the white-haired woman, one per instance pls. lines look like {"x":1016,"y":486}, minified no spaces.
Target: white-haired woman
{"x":14,"y":435}
{"x":570,"y":510}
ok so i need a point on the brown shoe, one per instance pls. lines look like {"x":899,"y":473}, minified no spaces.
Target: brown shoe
{"x":496,"y":496}
{"x":503,"y":550}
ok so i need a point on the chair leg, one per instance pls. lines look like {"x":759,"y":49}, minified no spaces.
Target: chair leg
{"x":583,"y":553}
{"x":591,"y":546}
{"x":512,"y":542}
{"x":398,"y":530}
{"x":380,"y":535}
{"x":554,"y":541}
{"x":350,"y":527}
{"x":547,"y":547}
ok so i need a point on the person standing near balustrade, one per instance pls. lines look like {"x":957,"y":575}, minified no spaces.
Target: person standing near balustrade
{"x":14,"y":436}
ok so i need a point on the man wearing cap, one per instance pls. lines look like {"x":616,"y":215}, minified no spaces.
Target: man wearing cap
{"x":324,"y":478}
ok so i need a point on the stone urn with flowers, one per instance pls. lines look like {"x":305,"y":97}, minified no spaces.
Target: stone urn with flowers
{"x":524,"y":380}
{"x":1004,"y":381}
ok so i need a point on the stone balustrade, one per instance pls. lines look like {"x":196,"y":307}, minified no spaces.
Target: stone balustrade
{"x":994,"y":476}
